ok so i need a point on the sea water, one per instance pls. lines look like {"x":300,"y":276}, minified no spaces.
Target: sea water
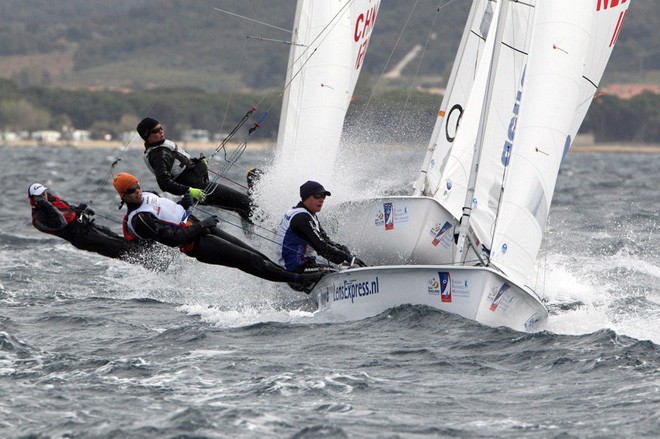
{"x":93,"y":347}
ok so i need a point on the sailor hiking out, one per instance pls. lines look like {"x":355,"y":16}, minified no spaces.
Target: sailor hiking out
{"x":154,"y":218}
{"x":178,"y":173}
{"x":53,"y":215}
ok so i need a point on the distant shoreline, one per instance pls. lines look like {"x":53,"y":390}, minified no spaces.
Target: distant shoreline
{"x":616,"y":148}
{"x":113,"y":144}
{"x":577,"y":148}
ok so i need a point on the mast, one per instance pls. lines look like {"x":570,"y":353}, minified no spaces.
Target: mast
{"x":421,"y":179}
{"x":464,"y":225}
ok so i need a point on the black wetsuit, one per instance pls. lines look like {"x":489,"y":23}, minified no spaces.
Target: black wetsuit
{"x":57,"y":217}
{"x":195,"y":174}
{"x":212,"y":246}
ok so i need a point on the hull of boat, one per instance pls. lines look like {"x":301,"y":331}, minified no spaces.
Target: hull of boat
{"x":476,"y":293}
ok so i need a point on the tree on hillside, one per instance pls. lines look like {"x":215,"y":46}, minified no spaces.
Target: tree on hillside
{"x":22,"y":115}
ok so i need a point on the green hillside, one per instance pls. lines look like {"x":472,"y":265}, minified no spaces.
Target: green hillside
{"x":142,"y":44}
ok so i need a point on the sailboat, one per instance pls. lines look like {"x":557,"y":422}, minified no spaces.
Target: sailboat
{"x":467,"y":240}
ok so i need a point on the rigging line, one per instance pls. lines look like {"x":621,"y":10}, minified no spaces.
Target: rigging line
{"x":240,"y":149}
{"x":387,"y":63}
{"x":322,"y":35}
{"x":426,"y":43}
{"x":272,"y":40}
{"x":236,"y":154}
{"x":241,"y":63}
{"x":224,"y":177}
{"x":237,"y":127}
{"x":122,"y":151}
{"x":252,"y":20}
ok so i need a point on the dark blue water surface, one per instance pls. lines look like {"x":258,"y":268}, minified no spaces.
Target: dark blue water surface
{"x":92,"y":347}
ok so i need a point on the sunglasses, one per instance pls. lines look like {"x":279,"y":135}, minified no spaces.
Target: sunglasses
{"x":156,"y":130}
{"x":132,"y":190}
{"x":319,"y":196}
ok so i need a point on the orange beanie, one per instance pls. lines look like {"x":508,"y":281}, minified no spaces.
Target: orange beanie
{"x":124,"y":181}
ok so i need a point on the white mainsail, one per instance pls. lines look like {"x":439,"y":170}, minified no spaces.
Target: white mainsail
{"x":330,"y":41}
{"x":548,"y":106}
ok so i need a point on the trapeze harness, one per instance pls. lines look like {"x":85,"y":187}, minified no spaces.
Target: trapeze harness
{"x":294,"y":250}
{"x":181,"y":158}
{"x":166,"y":211}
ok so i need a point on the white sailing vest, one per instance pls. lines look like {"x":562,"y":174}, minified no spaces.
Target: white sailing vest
{"x":294,"y":251}
{"x":181,"y":158}
{"x":167,"y":211}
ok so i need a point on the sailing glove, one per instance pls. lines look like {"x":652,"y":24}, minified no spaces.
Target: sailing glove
{"x":82,"y":208}
{"x":186,"y":201}
{"x":210,"y":222}
{"x":197,"y":194}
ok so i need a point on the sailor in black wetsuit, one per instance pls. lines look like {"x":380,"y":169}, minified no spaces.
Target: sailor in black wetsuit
{"x":154,"y":218}
{"x":53,"y":215}
{"x":302,"y":237}
{"x":177,"y":173}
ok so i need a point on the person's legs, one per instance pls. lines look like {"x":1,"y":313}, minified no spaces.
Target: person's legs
{"x":99,"y":239}
{"x":212,"y":249}
{"x":227,"y":198}
{"x":227,"y":237}
{"x":311,"y":267}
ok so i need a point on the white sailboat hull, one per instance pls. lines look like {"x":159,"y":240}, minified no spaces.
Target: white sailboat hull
{"x":477,"y":293}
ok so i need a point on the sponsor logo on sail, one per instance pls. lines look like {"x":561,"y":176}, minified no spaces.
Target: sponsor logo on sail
{"x":445,"y":286}
{"x":604,"y":4}
{"x":508,"y":144}
{"x":452,"y":122}
{"x":433,"y":286}
{"x":364,"y":23}
{"x":498,"y":296}
{"x":351,"y":289}
{"x":438,"y":232}
{"x":389,"y":216}
{"x":380,"y":218}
